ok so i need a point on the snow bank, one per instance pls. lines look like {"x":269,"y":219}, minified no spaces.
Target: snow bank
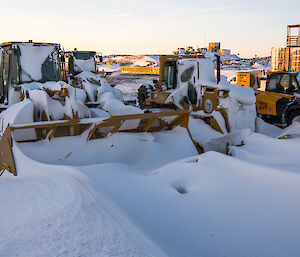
{"x":202,"y":132}
{"x":291,"y":131}
{"x":239,"y":106}
{"x":266,"y":128}
{"x":244,"y":95}
{"x":32,"y":67}
{"x":214,"y":205}
{"x":19,"y":113}
{"x":221,"y":144}
{"x":52,"y":210}
{"x":280,"y":154}
{"x":208,"y":205}
{"x":123,"y":148}
{"x":109,"y":100}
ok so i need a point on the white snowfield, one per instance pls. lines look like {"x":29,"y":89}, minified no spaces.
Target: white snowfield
{"x":152,"y":195}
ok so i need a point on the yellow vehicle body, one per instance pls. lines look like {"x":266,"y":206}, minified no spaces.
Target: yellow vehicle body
{"x":278,"y":103}
{"x":245,"y":79}
{"x":266,"y":102}
{"x":140,"y":70}
{"x":159,"y":97}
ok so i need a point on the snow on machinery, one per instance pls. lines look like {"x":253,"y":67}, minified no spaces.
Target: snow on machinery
{"x":39,"y":105}
{"x":189,"y":82}
{"x":76,"y":62}
{"x":22,"y":63}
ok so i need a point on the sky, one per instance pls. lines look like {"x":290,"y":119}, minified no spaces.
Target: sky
{"x":248,"y":28}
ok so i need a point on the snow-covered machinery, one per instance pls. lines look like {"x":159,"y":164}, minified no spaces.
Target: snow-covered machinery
{"x":76,"y":62}
{"x":189,"y":82}
{"x":25,"y":62}
{"x":39,"y":105}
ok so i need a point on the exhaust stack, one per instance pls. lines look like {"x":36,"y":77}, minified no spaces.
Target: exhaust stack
{"x":218,"y":69}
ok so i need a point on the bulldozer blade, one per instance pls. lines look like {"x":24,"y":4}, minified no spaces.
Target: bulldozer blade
{"x":99,"y":127}
{"x":95,"y":128}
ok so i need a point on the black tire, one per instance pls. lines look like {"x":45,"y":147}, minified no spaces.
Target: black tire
{"x":292,"y":116}
{"x":143,"y":93}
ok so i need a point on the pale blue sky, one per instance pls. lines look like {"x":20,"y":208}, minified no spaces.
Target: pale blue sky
{"x":138,"y":27}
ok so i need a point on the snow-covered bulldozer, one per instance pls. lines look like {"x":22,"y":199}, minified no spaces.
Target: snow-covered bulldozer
{"x":189,"y":82}
{"x":39,"y":105}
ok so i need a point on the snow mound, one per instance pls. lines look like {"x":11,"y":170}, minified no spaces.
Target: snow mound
{"x":18,"y":113}
{"x":221,"y":144}
{"x":266,"y":128}
{"x":56,"y":211}
{"x":110,"y":101}
{"x":280,"y":154}
{"x":291,"y":131}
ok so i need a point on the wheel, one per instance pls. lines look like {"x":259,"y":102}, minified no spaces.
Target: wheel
{"x":143,"y":93}
{"x":293,"y":117}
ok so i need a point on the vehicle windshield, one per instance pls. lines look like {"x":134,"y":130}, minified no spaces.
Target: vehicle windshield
{"x":38,"y":63}
{"x":83,"y":55}
{"x":283,"y":83}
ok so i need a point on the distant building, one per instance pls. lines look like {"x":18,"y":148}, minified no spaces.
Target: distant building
{"x":214,"y":47}
{"x":287,"y":58}
{"x":224,"y":52}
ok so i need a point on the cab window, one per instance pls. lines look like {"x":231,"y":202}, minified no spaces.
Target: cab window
{"x":284,"y":82}
{"x":169,"y":74}
{"x":273,"y":84}
{"x":295,"y":86}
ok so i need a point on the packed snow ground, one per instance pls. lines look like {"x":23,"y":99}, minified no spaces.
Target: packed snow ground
{"x":78,"y":198}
